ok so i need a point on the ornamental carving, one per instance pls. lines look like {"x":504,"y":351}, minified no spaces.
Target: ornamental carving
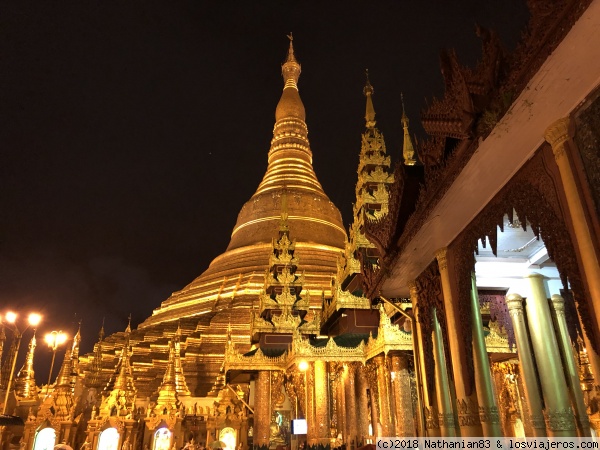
{"x":489,"y":414}
{"x":370,"y":371}
{"x":344,"y":300}
{"x":389,"y":337}
{"x":450,"y":120}
{"x":446,"y":420}
{"x":496,"y":339}
{"x":277,"y":391}
{"x":468,"y":412}
{"x":431,"y":417}
{"x":258,"y":361}
{"x":560,"y":419}
{"x":302,"y":348}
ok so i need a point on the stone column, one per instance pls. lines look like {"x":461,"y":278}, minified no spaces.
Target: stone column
{"x":322,"y":402}
{"x":351,"y":411}
{"x":468,"y":418}
{"x":559,"y":415}
{"x":488,"y":409}
{"x":526,"y":364}
{"x":447,"y":425}
{"x":572,"y":372}
{"x":262,"y":409}
{"x":427,"y":398}
{"x":384,"y":390}
{"x":363,"y":404}
{"x":403,"y":411}
{"x":557,"y":135}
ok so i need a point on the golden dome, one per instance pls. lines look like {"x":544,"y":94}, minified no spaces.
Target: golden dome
{"x":235,"y":278}
{"x":223,"y":296}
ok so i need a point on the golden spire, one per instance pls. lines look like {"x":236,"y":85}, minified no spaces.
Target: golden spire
{"x":25,"y":386}
{"x":64,"y":374}
{"x":408,"y":150}
{"x":291,"y":69}
{"x":290,"y":157}
{"x":370,"y":112}
{"x":167,"y":400}
{"x":121,"y":390}
{"x":124,"y":380}
{"x":180,"y":383}
{"x":75,"y":351}
{"x":63,"y":393}
{"x":96,"y":372}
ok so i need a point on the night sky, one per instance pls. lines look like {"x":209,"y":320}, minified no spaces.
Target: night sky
{"x":132,"y":132}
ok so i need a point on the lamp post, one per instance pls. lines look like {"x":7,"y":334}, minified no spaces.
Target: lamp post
{"x":53,"y":339}
{"x":10,"y":318}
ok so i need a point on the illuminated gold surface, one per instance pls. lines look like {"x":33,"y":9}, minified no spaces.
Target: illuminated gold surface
{"x":229,"y":289}
{"x":313,"y":220}
{"x":25,"y":386}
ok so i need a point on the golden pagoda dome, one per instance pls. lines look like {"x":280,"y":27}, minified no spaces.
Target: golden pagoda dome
{"x":226,"y":292}
{"x":314,"y":220}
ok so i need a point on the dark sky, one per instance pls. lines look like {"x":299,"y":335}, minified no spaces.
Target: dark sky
{"x":132,"y":132}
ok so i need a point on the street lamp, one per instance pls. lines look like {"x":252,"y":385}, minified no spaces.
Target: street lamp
{"x":10,"y":318}
{"x":54,"y":339}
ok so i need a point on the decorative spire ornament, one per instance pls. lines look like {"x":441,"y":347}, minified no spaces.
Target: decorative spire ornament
{"x":25,"y":386}
{"x":408,"y":150}
{"x":370,"y":110}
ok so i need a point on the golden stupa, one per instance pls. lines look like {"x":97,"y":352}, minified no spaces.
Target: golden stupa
{"x":228,"y":290}
{"x":314,"y":220}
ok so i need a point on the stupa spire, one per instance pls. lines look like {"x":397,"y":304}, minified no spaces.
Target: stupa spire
{"x":64,"y":374}
{"x":290,"y":157}
{"x":75,"y":350}
{"x":370,"y":110}
{"x":63,"y":394}
{"x":408,"y":150}
{"x":180,"y":383}
{"x":25,"y":386}
{"x":96,"y":372}
{"x":167,"y":400}
{"x":120,"y":388}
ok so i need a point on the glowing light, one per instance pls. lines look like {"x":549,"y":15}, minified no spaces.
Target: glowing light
{"x":55,"y":338}
{"x":303,"y":366}
{"x":34,"y":319}
{"x":10,"y":317}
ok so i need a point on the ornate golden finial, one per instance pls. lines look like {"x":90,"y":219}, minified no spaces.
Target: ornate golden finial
{"x":101,"y":333}
{"x":408,"y":150}
{"x":291,"y":68}
{"x":370,"y":111}
{"x":128,"y":329}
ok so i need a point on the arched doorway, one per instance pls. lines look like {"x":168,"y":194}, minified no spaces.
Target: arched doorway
{"x":45,"y":439}
{"x":162,"y":439}
{"x":109,"y":439}
{"x":229,"y":437}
